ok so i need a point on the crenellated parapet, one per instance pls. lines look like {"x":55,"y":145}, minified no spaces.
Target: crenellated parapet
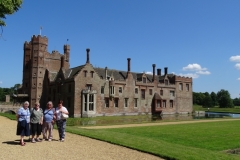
{"x":183,"y":79}
{"x":39,"y":39}
{"x":27,"y":45}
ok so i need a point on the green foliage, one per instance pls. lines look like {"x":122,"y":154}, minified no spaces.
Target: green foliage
{"x":224,"y":99}
{"x":207,"y":100}
{"x":8,"y":7}
{"x":8,"y":91}
{"x":236,"y":101}
{"x":214,"y":98}
{"x":10,"y":116}
{"x":182,"y":141}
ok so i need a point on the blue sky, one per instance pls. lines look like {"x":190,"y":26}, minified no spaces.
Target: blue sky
{"x":199,"y":38}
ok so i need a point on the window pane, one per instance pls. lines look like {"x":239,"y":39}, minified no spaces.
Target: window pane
{"x":126,"y":102}
{"x":116,"y":102}
{"x":136,"y":102}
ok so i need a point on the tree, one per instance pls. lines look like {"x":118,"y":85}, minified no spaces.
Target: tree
{"x":236,"y":101}
{"x":224,"y":99}
{"x":8,"y":7}
{"x":214,"y":98}
{"x":207,"y":100}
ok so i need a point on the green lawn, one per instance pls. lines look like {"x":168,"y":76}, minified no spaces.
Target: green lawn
{"x":217,"y":109}
{"x":198,"y":141}
{"x":184,"y":141}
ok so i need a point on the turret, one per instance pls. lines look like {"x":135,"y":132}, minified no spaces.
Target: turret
{"x":66,"y":49}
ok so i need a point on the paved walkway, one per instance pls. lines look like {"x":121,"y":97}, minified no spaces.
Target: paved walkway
{"x":159,"y":123}
{"x":74,"y":147}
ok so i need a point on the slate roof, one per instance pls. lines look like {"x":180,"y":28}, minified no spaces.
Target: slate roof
{"x":117,"y":74}
{"x":52,"y":76}
{"x":70,"y":73}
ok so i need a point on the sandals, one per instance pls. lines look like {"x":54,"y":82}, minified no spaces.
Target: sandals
{"x":22,"y":143}
{"x":33,"y":140}
{"x":38,"y":140}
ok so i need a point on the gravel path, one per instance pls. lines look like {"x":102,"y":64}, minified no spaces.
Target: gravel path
{"x":74,"y":147}
{"x":158,"y":123}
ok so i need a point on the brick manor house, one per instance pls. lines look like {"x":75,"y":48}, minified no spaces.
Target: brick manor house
{"x":89,"y":91}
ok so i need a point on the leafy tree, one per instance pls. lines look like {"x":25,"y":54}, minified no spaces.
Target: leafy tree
{"x":224,"y":99}
{"x":8,"y":7}
{"x":207,"y":100}
{"x":214,"y":98}
{"x":236,"y":101}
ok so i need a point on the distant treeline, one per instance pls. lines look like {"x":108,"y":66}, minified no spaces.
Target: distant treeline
{"x":8,"y":91}
{"x":222,"y":99}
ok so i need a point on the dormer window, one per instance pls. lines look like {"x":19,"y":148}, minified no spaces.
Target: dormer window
{"x":85,"y":73}
{"x":166,"y":82}
{"x":92,"y":74}
{"x":144,"y":80}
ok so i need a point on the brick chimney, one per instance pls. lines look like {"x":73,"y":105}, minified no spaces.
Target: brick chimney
{"x":62,"y":61}
{"x":154,"y":65}
{"x":165,"y":70}
{"x":106,"y":72}
{"x":159,"y":72}
{"x":129,"y":64}
{"x":88,"y":60}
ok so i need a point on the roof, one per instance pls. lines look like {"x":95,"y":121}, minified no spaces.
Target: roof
{"x":117,"y":74}
{"x":70,"y":73}
{"x":52,"y":76}
{"x":157,"y":96}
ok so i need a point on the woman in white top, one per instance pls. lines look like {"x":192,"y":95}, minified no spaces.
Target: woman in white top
{"x":60,"y":121}
{"x":23,"y":118}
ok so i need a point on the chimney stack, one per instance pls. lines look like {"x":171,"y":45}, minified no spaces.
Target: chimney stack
{"x":154,"y":65}
{"x":88,"y":50}
{"x":106,"y":73}
{"x":159,"y":72}
{"x":129,"y":64}
{"x":62,"y":62}
{"x":165,"y":70}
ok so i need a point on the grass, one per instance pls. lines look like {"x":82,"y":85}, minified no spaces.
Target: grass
{"x":10,"y":116}
{"x":217,"y":109}
{"x":183,"y":141}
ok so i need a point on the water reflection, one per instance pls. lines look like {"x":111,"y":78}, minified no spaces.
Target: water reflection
{"x":221,"y":115}
{"x":145,"y":118}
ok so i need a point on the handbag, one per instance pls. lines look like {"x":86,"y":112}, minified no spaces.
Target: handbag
{"x":64,"y":116}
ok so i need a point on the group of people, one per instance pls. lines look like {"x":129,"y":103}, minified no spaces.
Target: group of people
{"x":35,"y":121}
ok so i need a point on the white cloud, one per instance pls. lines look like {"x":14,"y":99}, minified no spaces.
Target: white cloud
{"x":194,"y":67}
{"x":148,"y":72}
{"x":237,"y":66}
{"x":193,"y":75}
{"x":203,"y":72}
{"x":235,"y":58}
{"x":238,"y":79}
{"x":1,"y":82}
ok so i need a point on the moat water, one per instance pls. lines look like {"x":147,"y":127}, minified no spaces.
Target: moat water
{"x":149,"y":118}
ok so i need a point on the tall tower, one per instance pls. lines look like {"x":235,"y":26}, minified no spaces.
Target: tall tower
{"x":66,"y":49}
{"x":39,"y":48}
{"x":27,"y":49}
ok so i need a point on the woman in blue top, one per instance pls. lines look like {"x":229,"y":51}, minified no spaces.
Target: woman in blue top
{"x":48,"y":121}
{"x":23,"y":118}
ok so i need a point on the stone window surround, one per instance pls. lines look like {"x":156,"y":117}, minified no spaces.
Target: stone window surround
{"x":87,"y":93}
{"x":126,"y":102}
